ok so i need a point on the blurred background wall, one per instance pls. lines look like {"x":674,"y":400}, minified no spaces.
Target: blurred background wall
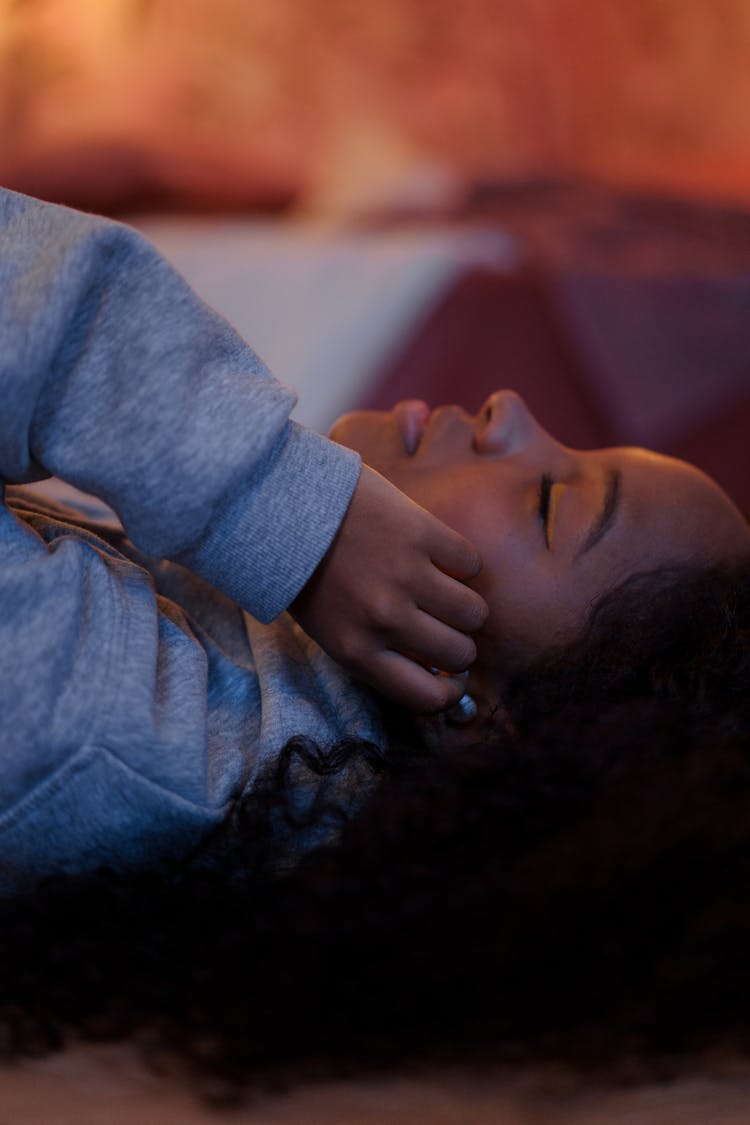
{"x":222,"y":102}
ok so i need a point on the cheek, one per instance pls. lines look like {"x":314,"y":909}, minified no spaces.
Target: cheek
{"x":487,"y":520}
{"x":531,"y":610}
{"x":530,"y":607}
{"x":513,"y":596}
{"x":528,"y":604}
{"x":510,"y":579}
{"x":468,"y":509}
{"x":371,"y":434}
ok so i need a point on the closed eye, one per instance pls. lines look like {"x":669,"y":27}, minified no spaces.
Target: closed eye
{"x":545,"y":491}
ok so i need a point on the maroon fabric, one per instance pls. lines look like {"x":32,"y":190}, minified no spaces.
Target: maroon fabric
{"x":495,"y":331}
{"x":629,"y":324}
{"x":121,"y":178}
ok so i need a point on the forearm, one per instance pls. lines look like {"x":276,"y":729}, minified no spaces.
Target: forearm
{"x":118,"y":379}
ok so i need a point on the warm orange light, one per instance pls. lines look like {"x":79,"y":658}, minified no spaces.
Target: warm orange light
{"x":350,"y":94}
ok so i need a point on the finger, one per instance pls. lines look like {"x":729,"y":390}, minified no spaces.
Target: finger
{"x":410,"y":685}
{"x":452,"y":602}
{"x":436,"y":645}
{"x":453,"y":554}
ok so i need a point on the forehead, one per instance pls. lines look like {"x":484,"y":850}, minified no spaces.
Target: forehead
{"x":672,"y":510}
{"x":670,"y":513}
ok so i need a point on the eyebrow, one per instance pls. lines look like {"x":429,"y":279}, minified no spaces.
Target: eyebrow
{"x":608,"y":514}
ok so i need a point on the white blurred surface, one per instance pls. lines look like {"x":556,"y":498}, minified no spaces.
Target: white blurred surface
{"x":326,"y":309}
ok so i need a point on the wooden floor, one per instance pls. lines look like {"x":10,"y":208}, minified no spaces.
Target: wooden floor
{"x":106,"y":1085}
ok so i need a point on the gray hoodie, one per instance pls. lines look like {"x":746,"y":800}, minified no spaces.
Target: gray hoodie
{"x":142,"y":688}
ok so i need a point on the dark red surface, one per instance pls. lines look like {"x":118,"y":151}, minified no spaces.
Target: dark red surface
{"x":489,"y":332}
{"x":628,"y":323}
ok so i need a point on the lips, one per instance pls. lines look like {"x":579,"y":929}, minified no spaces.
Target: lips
{"x":412,"y":417}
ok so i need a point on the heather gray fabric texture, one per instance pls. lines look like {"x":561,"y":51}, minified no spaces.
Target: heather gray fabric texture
{"x":138,"y":697}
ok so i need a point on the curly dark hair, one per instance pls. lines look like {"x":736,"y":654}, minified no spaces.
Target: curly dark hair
{"x":577,"y":886}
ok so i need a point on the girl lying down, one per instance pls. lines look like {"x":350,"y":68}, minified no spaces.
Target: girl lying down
{"x":349,"y":830}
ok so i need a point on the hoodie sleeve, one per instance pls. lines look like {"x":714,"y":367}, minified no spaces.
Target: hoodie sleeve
{"x":115,"y":377}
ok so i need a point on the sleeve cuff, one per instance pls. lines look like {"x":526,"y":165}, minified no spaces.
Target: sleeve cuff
{"x":266,"y":539}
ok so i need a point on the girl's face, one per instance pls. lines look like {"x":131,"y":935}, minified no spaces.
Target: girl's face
{"x":556,"y":527}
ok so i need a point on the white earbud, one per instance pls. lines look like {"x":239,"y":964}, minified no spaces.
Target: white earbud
{"x":462,"y":712}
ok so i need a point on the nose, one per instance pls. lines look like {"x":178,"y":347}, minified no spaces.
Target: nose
{"x":505,"y":426}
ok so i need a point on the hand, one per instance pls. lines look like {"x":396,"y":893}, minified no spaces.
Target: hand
{"x":388,"y":601}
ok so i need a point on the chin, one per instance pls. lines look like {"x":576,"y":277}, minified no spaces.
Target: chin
{"x":373,"y":434}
